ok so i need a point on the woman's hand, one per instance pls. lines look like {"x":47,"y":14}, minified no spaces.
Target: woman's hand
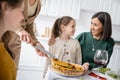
{"x":51,"y":41}
{"x":39,"y":52}
{"x":86,"y":67}
{"x":25,"y":36}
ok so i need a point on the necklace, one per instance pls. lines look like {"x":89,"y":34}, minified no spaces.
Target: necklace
{"x":93,"y":46}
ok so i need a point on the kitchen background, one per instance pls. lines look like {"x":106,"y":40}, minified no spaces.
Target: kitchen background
{"x":31,"y":65}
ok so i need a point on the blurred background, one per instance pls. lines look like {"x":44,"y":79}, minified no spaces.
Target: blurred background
{"x":31,"y":65}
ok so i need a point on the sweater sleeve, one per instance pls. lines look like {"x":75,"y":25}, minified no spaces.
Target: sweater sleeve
{"x":48,"y":61}
{"x":110,"y":47}
{"x":78,"y":54}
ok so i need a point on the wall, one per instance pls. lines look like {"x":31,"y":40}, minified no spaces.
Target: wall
{"x":81,"y":10}
{"x":82,"y":24}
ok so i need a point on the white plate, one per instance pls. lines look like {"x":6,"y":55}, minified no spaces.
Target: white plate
{"x":102,"y":75}
{"x":95,"y":71}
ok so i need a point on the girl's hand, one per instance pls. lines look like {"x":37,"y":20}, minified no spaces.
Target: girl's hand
{"x":51,"y":41}
{"x":86,"y":67}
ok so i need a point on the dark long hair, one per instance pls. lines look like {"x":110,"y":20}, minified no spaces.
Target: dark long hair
{"x":105,"y":19}
{"x":56,"y":29}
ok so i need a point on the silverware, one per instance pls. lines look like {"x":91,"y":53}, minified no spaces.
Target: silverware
{"x":44,"y":51}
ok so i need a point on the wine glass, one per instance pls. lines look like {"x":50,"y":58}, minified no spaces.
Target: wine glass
{"x":101,"y":59}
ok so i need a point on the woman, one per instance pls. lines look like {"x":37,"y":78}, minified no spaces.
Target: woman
{"x":9,"y":9}
{"x":25,"y":33}
{"x":99,"y":37}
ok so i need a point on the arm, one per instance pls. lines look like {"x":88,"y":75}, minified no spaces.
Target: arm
{"x":47,"y":63}
{"x":82,"y":38}
{"x":109,"y":48}
{"x":78,"y":54}
{"x":29,"y":29}
{"x":79,"y":59}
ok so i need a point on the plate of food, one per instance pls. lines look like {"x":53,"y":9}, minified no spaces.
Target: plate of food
{"x":66,"y":68}
{"x":106,"y":73}
{"x":100,"y":72}
{"x":112,"y":74}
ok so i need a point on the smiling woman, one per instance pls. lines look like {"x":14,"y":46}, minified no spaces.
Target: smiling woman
{"x":8,"y":10}
{"x":98,"y":38}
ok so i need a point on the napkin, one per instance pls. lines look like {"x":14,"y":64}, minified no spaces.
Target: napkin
{"x":95,"y":75}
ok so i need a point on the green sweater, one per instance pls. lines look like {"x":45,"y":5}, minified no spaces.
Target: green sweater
{"x":87,"y":41}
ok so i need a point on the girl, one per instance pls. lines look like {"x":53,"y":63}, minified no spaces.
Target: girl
{"x":65,"y":48}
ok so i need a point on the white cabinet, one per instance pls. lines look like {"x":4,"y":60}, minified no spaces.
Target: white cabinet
{"x":110,"y":6}
{"x":59,"y":8}
{"x":92,"y":5}
{"x":115,"y":11}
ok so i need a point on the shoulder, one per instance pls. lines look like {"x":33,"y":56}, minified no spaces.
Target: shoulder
{"x":74,"y":40}
{"x":58,"y":41}
{"x":83,"y":36}
{"x":111,"y":41}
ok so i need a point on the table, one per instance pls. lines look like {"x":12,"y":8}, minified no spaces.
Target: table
{"x":50,"y":75}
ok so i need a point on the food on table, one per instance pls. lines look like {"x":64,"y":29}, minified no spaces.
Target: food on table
{"x":113,"y":75}
{"x":103,"y":70}
{"x":66,"y":68}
